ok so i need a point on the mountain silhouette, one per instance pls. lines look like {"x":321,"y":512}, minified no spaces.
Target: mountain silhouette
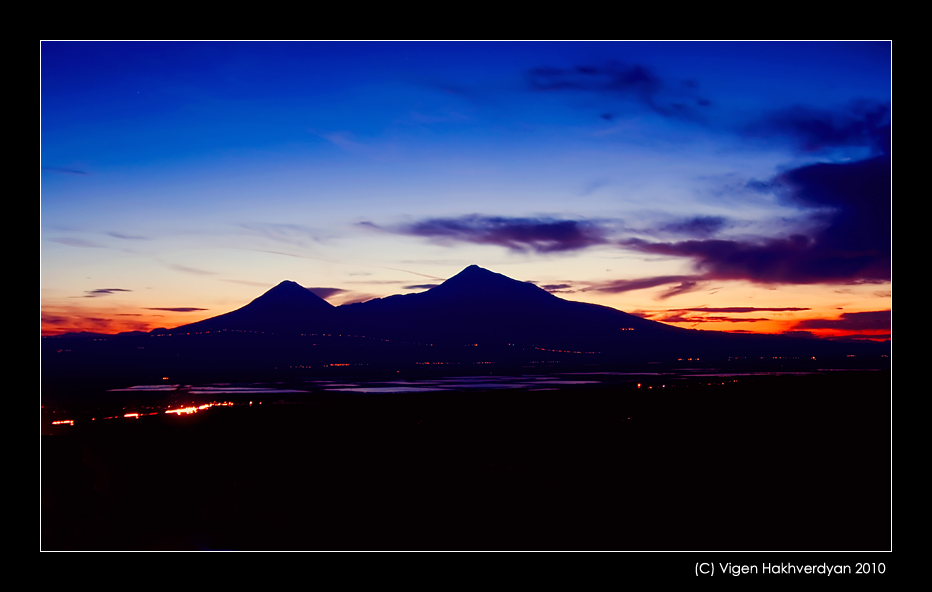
{"x":475,"y":316}
{"x":481,"y":306}
{"x":287,"y":307}
{"x":475,"y":285}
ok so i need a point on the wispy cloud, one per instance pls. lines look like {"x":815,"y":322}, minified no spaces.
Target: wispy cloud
{"x":249,"y":283}
{"x":294,"y":234}
{"x":102,"y":292}
{"x":65,"y":171}
{"x":126,"y":236}
{"x":77,"y":242}
{"x":178,"y":309}
{"x":190,"y":270}
{"x":619,"y":286}
{"x":326,"y":293}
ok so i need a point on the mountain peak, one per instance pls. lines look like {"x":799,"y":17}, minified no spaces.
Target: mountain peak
{"x":478,"y":283}
{"x":289,"y":293}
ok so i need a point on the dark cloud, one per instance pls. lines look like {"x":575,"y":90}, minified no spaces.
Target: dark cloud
{"x":103,"y":292}
{"x":697,"y":227}
{"x":682,"y":288}
{"x":879,"y":320}
{"x":179,"y":309}
{"x":852,"y":244}
{"x":326,"y":292}
{"x":421,"y":287}
{"x":559,"y":288}
{"x":619,"y":286}
{"x":542,"y":235}
{"x":860,"y":124}
{"x":630,"y":82}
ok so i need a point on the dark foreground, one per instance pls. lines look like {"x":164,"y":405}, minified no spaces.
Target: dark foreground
{"x":765,"y":463}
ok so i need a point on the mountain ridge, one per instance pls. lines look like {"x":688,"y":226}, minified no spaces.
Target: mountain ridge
{"x":508,"y":320}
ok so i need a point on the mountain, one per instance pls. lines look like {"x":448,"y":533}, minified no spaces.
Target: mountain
{"x":478,"y":305}
{"x":476,"y":316}
{"x":288,"y":307}
{"x":475,"y":285}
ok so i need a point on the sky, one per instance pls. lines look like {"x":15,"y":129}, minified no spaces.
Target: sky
{"x":727,"y":186}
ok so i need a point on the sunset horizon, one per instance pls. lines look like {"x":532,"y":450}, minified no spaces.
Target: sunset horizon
{"x":728,"y":186}
{"x":861,"y":325}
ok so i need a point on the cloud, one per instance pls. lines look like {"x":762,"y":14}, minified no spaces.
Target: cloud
{"x":50,"y":319}
{"x":683,"y":288}
{"x":64,"y":171}
{"x":287,"y":233}
{"x":860,"y":124}
{"x":541,"y":235}
{"x":618,"y":286}
{"x":852,"y":244}
{"x":249,"y":283}
{"x":190,"y":270}
{"x":559,"y":288}
{"x":326,"y":292}
{"x":103,"y":292}
{"x":126,"y":236}
{"x":179,"y":309}
{"x":683,"y":316}
{"x":698,"y":227}
{"x":634,"y":83}
{"x":879,"y":320}
{"x":421,"y":287}
{"x":77,"y":242}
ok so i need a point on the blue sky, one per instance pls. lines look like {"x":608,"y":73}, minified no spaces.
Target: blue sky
{"x":180,"y":180}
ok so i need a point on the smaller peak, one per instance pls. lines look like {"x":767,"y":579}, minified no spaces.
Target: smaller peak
{"x":289,"y":286}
